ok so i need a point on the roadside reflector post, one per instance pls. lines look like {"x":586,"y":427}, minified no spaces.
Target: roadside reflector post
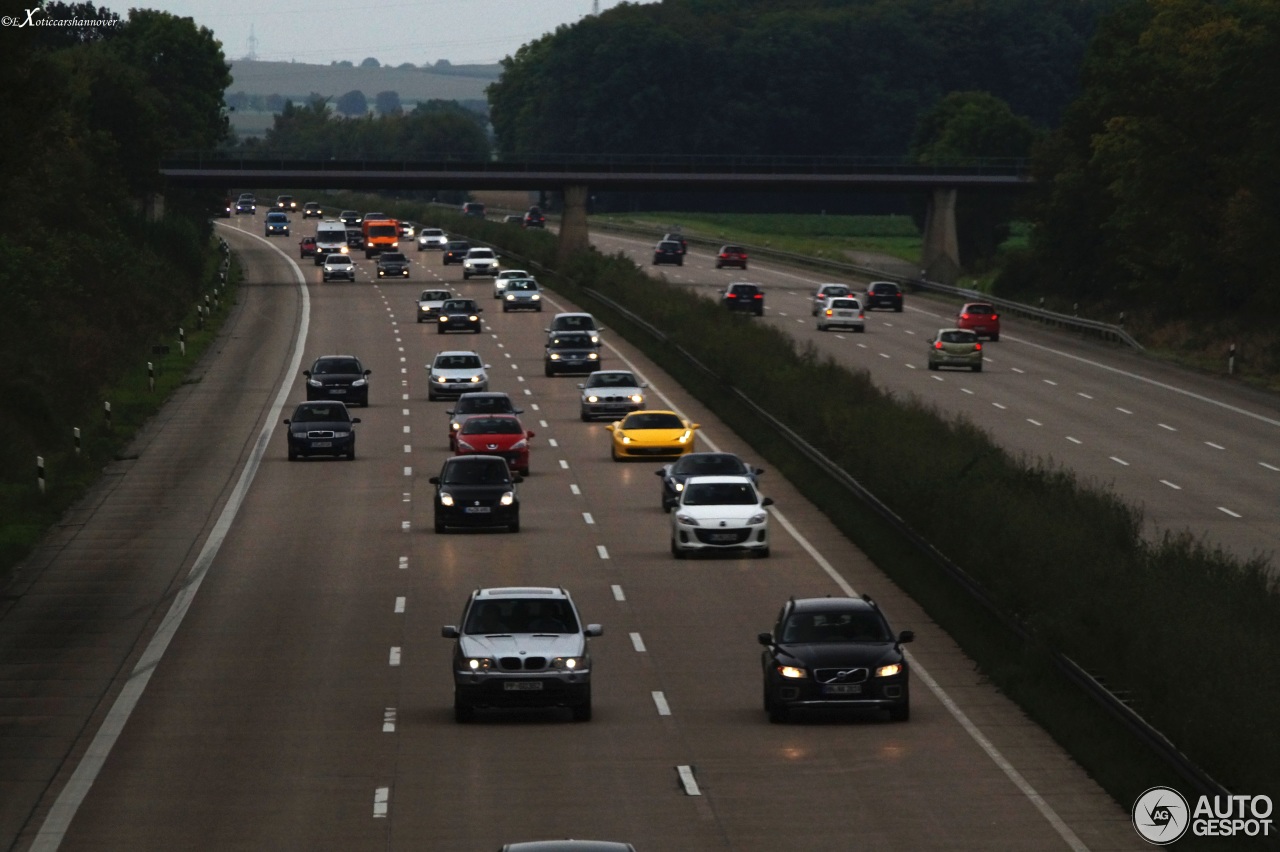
{"x":40,"y":474}
{"x":75,"y":434}
{"x":151,"y":376}
{"x":1231,"y":360}
{"x":106,"y":410}
{"x":182,"y":342}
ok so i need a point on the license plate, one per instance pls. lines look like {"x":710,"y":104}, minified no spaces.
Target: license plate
{"x":843,"y":689}
{"x":724,"y":537}
{"x":522,"y":685}
{"x":322,"y":443}
{"x":476,"y":510}
{"x":337,"y":390}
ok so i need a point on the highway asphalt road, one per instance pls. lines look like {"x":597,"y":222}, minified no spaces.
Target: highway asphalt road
{"x":224,"y":650}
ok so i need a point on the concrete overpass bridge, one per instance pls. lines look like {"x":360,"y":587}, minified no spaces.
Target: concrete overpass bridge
{"x":574,"y":176}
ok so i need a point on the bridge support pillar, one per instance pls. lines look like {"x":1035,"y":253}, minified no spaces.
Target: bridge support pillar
{"x":941,"y":251}
{"x":573,"y":222}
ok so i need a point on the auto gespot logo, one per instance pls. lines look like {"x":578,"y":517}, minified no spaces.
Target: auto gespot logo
{"x":1162,"y":815}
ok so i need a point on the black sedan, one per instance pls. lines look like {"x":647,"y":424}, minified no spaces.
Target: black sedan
{"x":668,"y":251}
{"x":393,"y":264}
{"x":458,"y":315}
{"x":834,"y":652}
{"x":321,"y":428}
{"x":455,"y":251}
{"x":572,"y":352}
{"x":476,"y":491}
{"x":700,"y":464}
{"x":340,"y":377}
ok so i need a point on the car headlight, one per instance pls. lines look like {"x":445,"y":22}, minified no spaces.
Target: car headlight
{"x":568,"y":663}
{"x":637,"y":399}
{"x":315,"y":383}
{"x":521,"y":444}
{"x":889,"y":671}
{"x":474,"y":318}
{"x":359,"y":383}
{"x":477,"y":379}
{"x":455,"y":426}
{"x":792,"y":672}
{"x":757,"y":519}
{"x":511,"y":297}
{"x":446,"y":499}
{"x":684,"y":439}
{"x":438,"y":379}
{"x":508,"y":497}
{"x":687,"y":520}
{"x":593,"y":398}
{"x":595,"y":339}
{"x":346,"y":434}
{"x":626,"y":439}
{"x":593,"y":356}
{"x":478,"y":664}
{"x":444,"y":318}
{"x":679,"y":486}
{"x":554,"y":356}
{"x":536,"y":297}
{"x":463,"y":445}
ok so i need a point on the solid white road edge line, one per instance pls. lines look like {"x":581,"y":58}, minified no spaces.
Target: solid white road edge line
{"x":56,"y":822}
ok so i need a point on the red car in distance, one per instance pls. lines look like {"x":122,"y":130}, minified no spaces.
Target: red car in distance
{"x":307,"y":247}
{"x":980,"y":318}
{"x":496,"y":435}
{"x":731,"y":256}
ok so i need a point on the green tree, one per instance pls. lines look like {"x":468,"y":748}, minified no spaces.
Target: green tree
{"x":387,"y":102}
{"x":352,"y":103}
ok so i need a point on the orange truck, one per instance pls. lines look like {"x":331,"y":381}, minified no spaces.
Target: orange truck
{"x":381,"y":235}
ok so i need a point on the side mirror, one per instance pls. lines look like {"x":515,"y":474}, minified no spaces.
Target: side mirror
{"x":516,"y":478}
{"x":611,"y":426}
{"x":518,"y":410}
{"x":450,"y":631}
{"x":593,"y":630}
{"x":368,"y":372}
{"x":435,"y":480}
{"x":768,"y":501}
{"x":530,"y":433}
{"x":906,"y":636}
{"x":479,"y":310}
{"x":759,"y":471}
{"x":450,"y":412}
{"x":581,"y":386}
{"x":662,"y":471}
{"x":765,"y":639}
{"x":644,"y":384}
{"x":306,"y":373}
{"x":355,"y":419}
{"x":286,"y":421}
{"x":695,"y":425}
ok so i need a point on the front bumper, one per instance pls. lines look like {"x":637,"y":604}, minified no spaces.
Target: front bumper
{"x":500,"y":689}
{"x":710,"y":539}
{"x":874,"y":693}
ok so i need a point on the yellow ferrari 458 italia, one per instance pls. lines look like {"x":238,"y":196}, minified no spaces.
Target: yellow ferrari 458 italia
{"x":652,"y":434}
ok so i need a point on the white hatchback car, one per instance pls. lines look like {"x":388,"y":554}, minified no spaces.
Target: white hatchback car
{"x":842,"y":312}
{"x":432,"y":238}
{"x":338,"y":266}
{"x":456,"y":372}
{"x":500,"y":283}
{"x":720,"y":513}
{"x":480,"y":261}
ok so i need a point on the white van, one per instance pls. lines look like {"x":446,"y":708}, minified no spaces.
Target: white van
{"x":331,"y":236}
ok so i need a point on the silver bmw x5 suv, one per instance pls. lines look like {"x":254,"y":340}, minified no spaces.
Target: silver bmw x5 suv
{"x":521,"y":647}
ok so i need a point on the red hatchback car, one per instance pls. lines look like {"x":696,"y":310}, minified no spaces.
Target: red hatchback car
{"x":496,"y":435}
{"x":731,"y":256}
{"x":980,"y":318}
{"x":307,"y":247}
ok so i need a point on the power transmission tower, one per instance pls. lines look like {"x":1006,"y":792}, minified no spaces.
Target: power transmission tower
{"x":253,"y":45}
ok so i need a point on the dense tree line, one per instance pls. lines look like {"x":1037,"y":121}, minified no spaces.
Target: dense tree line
{"x":432,"y":129}
{"x":89,"y":280}
{"x":792,"y":77}
{"x":1159,"y":189}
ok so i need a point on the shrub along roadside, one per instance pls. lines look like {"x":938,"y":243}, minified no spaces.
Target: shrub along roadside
{"x":25,"y":514}
{"x":1189,"y":632}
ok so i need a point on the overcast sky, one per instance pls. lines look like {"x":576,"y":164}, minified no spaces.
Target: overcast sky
{"x":318,"y":32}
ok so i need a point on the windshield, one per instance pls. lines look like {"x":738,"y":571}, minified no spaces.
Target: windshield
{"x":483,"y":405}
{"x":720,"y":494}
{"x":492,"y":426}
{"x":477,"y":472}
{"x":482,"y":254}
{"x":835,"y":627}
{"x":462,"y":305}
{"x":336,"y":366}
{"x":708,"y":465}
{"x":383,"y":231}
{"x":653,"y":420}
{"x":611,"y":380}
{"x":321,"y":412}
{"x":521,"y":616}
{"x":393,"y":257}
{"x":457,"y":362}
{"x":337,"y":260}
{"x":571,"y":341}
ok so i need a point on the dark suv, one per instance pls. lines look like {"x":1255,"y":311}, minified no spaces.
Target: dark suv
{"x":834,"y":652}
{"x":521,"y":647}
{"x":571,"y":352}
{"x":534,"y":218}
{"x":668,"y":251}
{"x":476,"y":491}
{"x":393,"y":264}
{"x":748,"y":298}
{"x":455,"y":251}
{"x":883,"y":294}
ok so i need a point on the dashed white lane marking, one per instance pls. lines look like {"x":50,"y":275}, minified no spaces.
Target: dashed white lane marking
{"x":687,"y":781}
{"x":574,"y":489}
{"x":1050,"y":382}
{"x":1227,"y":511}
{"x":586,"y":516}
{"x":602,"y":551}
{"x":1167,"y":426}
{"x":1119,"y":460}
{"x":404,"y":562}
{"x":406,"y":525}
{"x":551,"y":442}
{"x":1123,"y":410}
{"x":406,"y":497}
{"x":400,"y":604}
{"x":393,"y":659}
{"x":405,"y":412}
{"x":389,"y":720}
{"x":1171,"y":485}
{"x":637,"y":643}
{"x":564,"y":464}
{"x":381,"y":802}
{"x":1034,"y":422}
{"x":1083,"y":394}
{"x":660,"y":701}
{"x":1215,"y":446}
{"x":1269,"y":466}
{"x":1000,"y":406}
{"x":1074,"y":440}
{"x":618,"y":594}
{"x":542,"y":423}
{"x":408,"y":471}
{"x":408,"y":448}
{"x":406,"y":429}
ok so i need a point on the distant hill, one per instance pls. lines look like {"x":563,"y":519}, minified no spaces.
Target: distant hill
{"x":296,"y":81}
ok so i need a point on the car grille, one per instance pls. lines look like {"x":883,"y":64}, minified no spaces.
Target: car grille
{"x":652,"y":451}
{"x":526,"y":664}
{"x":612,"y":400}
{"x":320,"y":433}
{"x":855,"y":675}
{"x":713,"y":535}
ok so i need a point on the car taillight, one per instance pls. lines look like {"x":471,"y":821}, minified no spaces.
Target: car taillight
{"x":830,"y":312}
{"x":937,"y":344}
{"x":759,"y":295}
{"x":964,"y":316}
{"x":977,"y":347}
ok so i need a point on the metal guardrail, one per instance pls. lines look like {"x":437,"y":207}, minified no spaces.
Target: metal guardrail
{"x":1108,"y":700}
{"x":1095,"y":328}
